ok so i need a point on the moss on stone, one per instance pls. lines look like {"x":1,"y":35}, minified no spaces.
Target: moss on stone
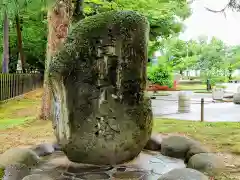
{"x":81,"y":39}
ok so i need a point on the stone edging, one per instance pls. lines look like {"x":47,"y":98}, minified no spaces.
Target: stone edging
{"x":194,"y":154}
{"x":200,"y":162}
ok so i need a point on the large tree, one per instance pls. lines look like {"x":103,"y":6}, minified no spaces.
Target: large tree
{"x":59,"y":19}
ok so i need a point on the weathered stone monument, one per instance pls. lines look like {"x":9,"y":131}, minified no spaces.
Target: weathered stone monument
{"x":98,"y":78}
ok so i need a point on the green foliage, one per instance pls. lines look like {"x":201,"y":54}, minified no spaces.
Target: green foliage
{"x":217,"y":79}
{"x":180,"y":55}
{"x":162,"y":14}
{"x":215,"y":60}
{"x":165,"y":17}
{"x":34,"y":33}
{"x":160,"y":74}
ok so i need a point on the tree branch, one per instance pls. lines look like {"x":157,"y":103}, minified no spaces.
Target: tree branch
{"x":223,"y":10}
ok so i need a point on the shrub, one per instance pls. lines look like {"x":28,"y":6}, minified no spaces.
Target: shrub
{"x":160,"y":74}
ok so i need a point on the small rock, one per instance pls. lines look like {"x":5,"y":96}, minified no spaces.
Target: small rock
{"x":183,"y":174}
{"x":19,"y":156}
{"x":37,"y":177}
{"x":195,"y":149}
{"x":57,"y":147}
{"x":44,"y":149}
{"x":16,"y":172}
{"x":154,"y":143}
{"x":208,"y":163}
{"x":176,"y":146}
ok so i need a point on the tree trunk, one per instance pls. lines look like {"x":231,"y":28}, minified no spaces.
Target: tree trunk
{"x":19,"y":39}
{"x":59,"y":19}
{"x":181,"y":72}
{"x":5,"y":62}
{"x":78,"y":10}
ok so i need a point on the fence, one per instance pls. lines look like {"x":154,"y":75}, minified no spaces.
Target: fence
{"x":12,"y":85}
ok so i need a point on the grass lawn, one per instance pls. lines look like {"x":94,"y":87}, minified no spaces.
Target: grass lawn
{"x":203,"y":91}
{"x":28,"y":130}
{"x":189,"y":87}
{"x":223,"y":137}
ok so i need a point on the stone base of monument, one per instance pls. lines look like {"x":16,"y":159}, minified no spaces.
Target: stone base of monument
{"x":236,"y":98}
{"x":171,"y":156}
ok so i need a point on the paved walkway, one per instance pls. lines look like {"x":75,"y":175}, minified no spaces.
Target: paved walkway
{"x":167,"y":107}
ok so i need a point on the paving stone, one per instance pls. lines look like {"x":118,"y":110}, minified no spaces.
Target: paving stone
{"x":80,"y":168}
{"x":91,"y":176}
{"x":129,"y":175}
{"x":64,"y":178}
{"x":68,"y":174}
{"x":37,"y":177}
{"x":148,"y":165}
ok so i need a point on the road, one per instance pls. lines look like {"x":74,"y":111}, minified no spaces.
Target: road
{"x":167,"y":107}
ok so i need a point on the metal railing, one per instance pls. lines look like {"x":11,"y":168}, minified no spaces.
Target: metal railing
{"x":12,"y":85}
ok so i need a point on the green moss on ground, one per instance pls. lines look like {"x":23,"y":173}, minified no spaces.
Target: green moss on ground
{"x":1,"y":172}
{"x":18,"y":111}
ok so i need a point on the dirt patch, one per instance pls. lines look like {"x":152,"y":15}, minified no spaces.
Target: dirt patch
{"x":27,"y":135}
{"x":31,"y":133}
{"x":232,"y":163}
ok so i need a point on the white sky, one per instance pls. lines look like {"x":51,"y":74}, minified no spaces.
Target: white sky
{"x":203,"y":22}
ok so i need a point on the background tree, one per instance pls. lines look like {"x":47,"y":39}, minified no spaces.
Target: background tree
{"x":32,"y":17}
{"x":213,"y":58}
{"x":5,"y":61}
{"x":181,"y":55}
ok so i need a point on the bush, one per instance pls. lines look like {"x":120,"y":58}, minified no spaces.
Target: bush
{"x":160,"y":74}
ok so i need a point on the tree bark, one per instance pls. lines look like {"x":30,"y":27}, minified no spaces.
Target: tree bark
{"x":59,"y":19}
{"x":5,"y":62}
{"x":19,"y":39}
